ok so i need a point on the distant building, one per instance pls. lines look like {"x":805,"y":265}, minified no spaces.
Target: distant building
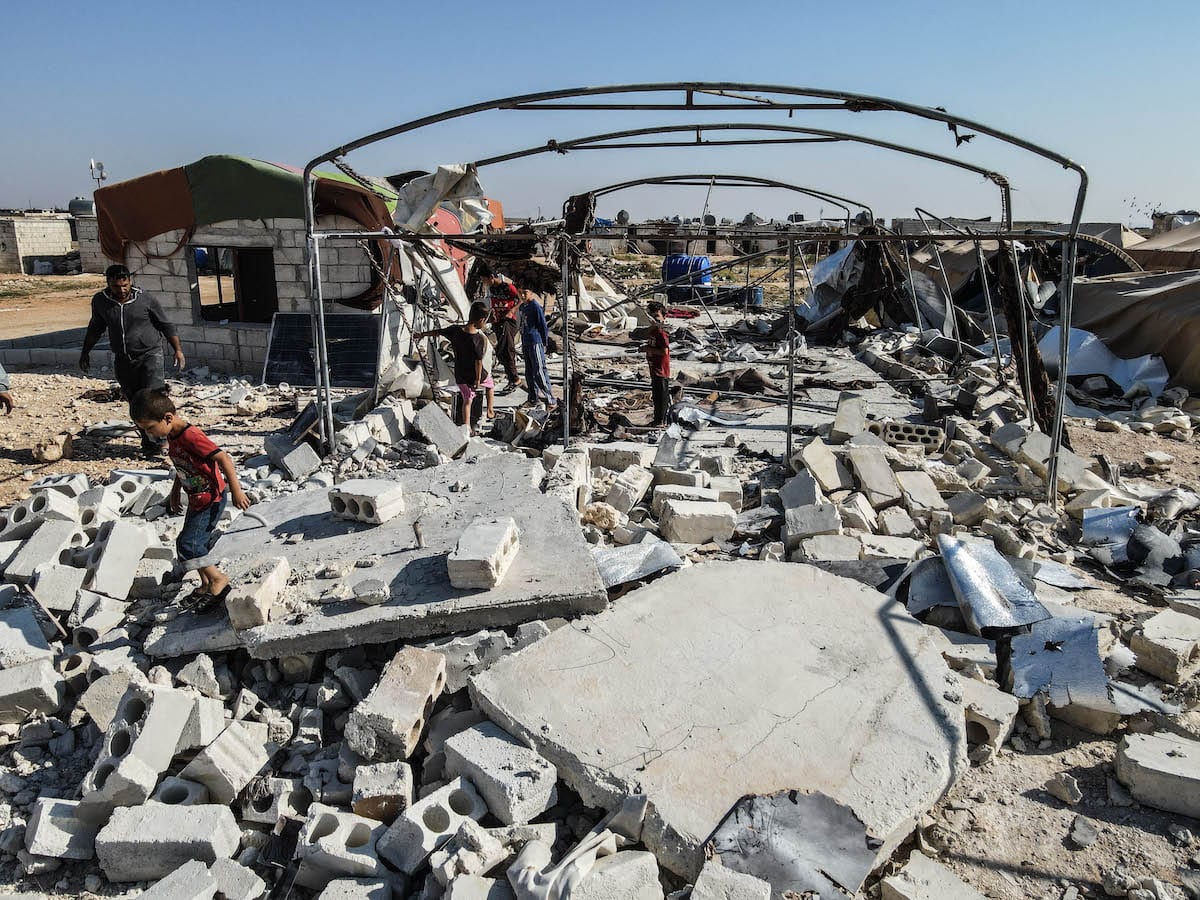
{"x":36,"y":244}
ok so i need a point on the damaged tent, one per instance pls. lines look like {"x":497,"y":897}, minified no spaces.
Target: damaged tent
{"x":1172,"y":251}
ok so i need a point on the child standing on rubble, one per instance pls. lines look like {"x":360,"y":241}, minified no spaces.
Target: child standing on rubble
{"x":658,"y":358}
{"x":202,"y":470}
{"x":472,"y":364}
{"x":534,"y":335}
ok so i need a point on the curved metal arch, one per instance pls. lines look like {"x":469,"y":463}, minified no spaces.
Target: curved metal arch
{"x":721,"y":180}
{"x":843,"y":100}
{"x":600,"y":142}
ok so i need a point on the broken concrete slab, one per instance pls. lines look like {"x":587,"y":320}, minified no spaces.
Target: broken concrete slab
{"x":142,"y":843}
{"x":801,"y":490}
{"x":924,"y":879}
{"x":553,"y":575}
{"x":1168,"y":646}
{"x":1161,"y":770}
{"x":875,"y":476}
{"x":297,"y":461}
{"x":876,"y":693}
{"x":825,"y":467}
{"x":628,"y":874}
{"x":850,"y":418}
{"x":28,"y":689}
{"x":629,"y":488}
{"x":21,"y":637}
{"x":827,"y":547}
{"x":450,"y":439}
{"x":716,"y":882}
{"x":666,"y":492}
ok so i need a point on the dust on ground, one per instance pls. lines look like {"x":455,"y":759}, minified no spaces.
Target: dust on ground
{"x":40,"y":304}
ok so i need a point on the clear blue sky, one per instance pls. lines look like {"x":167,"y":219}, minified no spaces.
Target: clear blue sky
{"x":147,"y":86}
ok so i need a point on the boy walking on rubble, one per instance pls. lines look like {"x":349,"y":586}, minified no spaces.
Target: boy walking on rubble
{"x":202,"y":471}
{"x":534,"y":335}
{"x":658,"y":358}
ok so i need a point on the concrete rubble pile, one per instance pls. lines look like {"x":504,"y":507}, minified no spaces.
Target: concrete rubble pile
{"x":666,"y":663}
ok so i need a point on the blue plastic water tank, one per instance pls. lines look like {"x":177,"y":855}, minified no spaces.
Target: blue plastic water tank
{"x":678,"y":265}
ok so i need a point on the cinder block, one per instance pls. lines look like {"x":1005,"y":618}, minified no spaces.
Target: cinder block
{"x":297,"y":461}
{"x":57,"y":586}
{"x":55,"y":830}
{"x":666,"y":492}
{"x":382,"y":791}
{"x":138,"y":747}
{"x":629,"y":488}
{"x":696,"y":521}
{"x":21,"y":637}
{"x":235,"y":881}
{"x":227,"y":764}
{"x":249,"y":605}
{"x":192,"y":881}
{"x":70,"y":485}
{"x":850,"y":418}
{"x":825,"y":467}
{"x":629,"y":874}
{"x":729,"y":490}
{"x":54,"y":506}
{"x":175,"y":791}
{"x":472,"y":851}
{"x":357,"y":889}
{"x":450,"y":439}
{"x":429,"y":823}
{"x":620,"y":455}
{"x":389,"y":424}
{"x":924,"y":879}
{"x":276,"y":797}
{"x":516,"y":782}
{"x":142,"y":843}
{"x":875,"y":476}
{"x":686,"y":477}
{"x":30,"y":688}
{"x":802,"y":522}
{"x":921,"y":496}
{"x":340,"y":843}
{"x":484,"y":553}
{"x":387,"y":725}
{"x":46,"y":544}
{"x":990,"y":712}
{"x":909,"y":434}
{"x":113,"y":563}
{"x":93,"y":616}
{"x":19,"y":521}
{"x":570,"y":477}
{"x":373,"y":500}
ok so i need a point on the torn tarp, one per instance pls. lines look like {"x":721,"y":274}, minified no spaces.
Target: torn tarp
{"x":1061,"y":658}
{"x":991,"y":596}
{"x":1089,"y":356}
{"x":797,"y":843}
{"x":458,"y":183}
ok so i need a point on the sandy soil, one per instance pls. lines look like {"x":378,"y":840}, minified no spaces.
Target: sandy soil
{"x":45,"y":303}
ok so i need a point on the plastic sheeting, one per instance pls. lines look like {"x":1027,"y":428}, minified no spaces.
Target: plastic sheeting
{"x":1089,"y":356}
{"x":633,"y":562}
{"x":991,"y":596}
{"x":457,"y":184}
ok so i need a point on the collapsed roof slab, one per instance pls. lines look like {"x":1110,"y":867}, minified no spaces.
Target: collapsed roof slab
{"x":736,"y":678}
{"x":553,"y":574}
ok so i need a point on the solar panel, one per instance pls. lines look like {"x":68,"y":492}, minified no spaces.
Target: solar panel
{"x":352,"y":342}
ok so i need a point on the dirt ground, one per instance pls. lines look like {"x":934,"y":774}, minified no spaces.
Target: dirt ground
{"x":52,"y":402}
{"x":45,"y":303}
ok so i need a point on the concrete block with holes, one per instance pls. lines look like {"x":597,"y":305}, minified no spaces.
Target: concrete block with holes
{"x":30,"y":688}
{"x":629,"y":488}
{"x":45,"y":544}
{"x":373,"y":500}
{"x":227,"y":764}
{"x":909,"y":434}
{"x":113,"y":562}
{"x":129,"y":484}
{"x":55,"y":830}
{"x":484,"y":552}
{"x":70,"y":485}
{"x":387,"y":725}
{"x":21,"y":638}
{"x":175,"y":791}
{"x":57,"y":586}
{"x":516,"y":782}
{"x":429,"y":823}
{"x":235,"y":881}
{"x":142,"y":843}
{"x":94,"y":615}
{"x":340,"y":843}
{"x":138,"y":747}
{"x":276,"y":797}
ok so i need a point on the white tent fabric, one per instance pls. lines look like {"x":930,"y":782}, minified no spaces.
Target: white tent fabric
{"x":457,"y":184}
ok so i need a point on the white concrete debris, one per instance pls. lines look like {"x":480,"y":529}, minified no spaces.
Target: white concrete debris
{"x":429,"y":823}
{"x":697,"y":521}
{"x":372,"y":500}
{"x":387,"y":724}
{"x":484,"y":553}
{"x":924,"y":879}
{"x":1161,"y":770}
{"x":516,"y":782}
{"x":250,"y":605}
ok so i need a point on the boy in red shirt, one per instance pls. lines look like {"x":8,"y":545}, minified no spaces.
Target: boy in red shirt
{"x":658,"y":358}
{"x":202,"y":470}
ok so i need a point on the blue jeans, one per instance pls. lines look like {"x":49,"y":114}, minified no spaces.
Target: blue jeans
{"x":199,"y":534}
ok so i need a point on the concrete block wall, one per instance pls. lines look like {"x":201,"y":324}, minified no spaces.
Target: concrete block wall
{"x":23,"y":238}
{"x":91,"y":257}
{"x":165,"y":268}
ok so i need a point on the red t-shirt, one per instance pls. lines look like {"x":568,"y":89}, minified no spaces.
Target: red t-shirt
{"x":659,"y":365}
{"x":194,"y":455}
{"x":504,"y":300}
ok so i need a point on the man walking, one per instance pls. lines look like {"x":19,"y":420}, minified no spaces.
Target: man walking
{"x":136,"y":325}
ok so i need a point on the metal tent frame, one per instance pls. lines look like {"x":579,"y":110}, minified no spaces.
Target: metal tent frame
{"x":707,"y":97}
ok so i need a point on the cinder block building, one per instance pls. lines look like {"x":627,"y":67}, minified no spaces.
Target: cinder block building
{"x":26,"y":240}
